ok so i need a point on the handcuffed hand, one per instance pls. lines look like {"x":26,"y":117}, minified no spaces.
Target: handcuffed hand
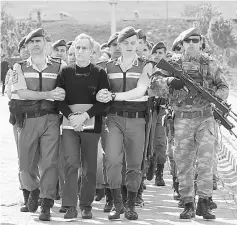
{"x":57,"y":94}
{"x":104,"y":96}
{"x":77,"y":121}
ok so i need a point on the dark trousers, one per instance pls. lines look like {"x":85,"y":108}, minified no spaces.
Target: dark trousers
{"x":80,"y":151}
{"x":3,"y":87}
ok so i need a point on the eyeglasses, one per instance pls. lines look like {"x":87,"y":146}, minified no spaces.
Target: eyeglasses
{"x":194,"y":40}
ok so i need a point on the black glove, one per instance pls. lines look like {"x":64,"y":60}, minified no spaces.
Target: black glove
{"x":176,"y":84}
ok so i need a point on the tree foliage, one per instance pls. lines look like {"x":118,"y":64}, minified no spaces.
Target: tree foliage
{"x":203,"y":14}
{"x":222,"y":33}
{"x":12,"y":31}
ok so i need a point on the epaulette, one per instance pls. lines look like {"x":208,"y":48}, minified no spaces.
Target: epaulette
{"x":54,"y":59}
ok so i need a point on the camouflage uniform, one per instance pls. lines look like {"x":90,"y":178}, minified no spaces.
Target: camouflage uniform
{"x":194,"y":124}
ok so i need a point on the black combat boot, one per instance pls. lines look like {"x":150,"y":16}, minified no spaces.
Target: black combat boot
{"x":124,"y":194}
{"x":45,"y":209}
{"x":118,"y":204}
{"x":189,"y":211}
{"x":99,"y":194}
{"x":32,"y":203}
{"x":204,"y":210}
{"x":26,"y":194}
{"x":159,"y":175}
{"x":151,"y":169}
{"x":109,"y":200}
{"x":177,"y":196}
{"x":139,"y":201}
{"x":130,"y":213}
{"x":212,"y":205}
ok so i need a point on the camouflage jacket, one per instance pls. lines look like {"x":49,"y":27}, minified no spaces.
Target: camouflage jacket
{"x":204,"y":70}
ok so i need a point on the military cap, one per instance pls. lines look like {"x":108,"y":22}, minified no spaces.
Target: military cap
{"x":21,"y":43}
{"x":112,"y":38}
{"x":60,"y":42}
{"x":34,"y":33}
{"x":103,"y":46}
{"x":176,"y":42}
{"x":193,"y":31}
{"x":159,"y":45}
{"x":126,"y":33}
{"x":140,"y":34}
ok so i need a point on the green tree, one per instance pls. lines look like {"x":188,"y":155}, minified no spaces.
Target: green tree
{"x":202,"y":13}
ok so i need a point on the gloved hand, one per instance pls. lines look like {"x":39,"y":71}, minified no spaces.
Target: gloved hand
{"x":175,"y":83}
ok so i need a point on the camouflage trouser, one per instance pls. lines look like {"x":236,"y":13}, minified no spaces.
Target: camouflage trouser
{"x":194,"y":142}
{"x":170,"y":147}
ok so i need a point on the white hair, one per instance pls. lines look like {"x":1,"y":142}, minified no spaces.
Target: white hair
{"x":85,"y":36}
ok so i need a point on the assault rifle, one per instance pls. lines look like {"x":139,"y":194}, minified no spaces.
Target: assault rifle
{"x":221,"y":109}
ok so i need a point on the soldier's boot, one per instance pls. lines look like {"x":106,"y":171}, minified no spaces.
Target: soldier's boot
{"x":204,"y":210}
{"x":32,"y":203}
{"x":181,"y":203}
{"x":124,"y":194}
{"x":212,"y":205}
{"x":99,"y":194}
{"x":118,"y":204}
{"x":26,"y":194}
{"x":139,"y":201}
{"x":151,"y":169}
{"x":189,"y":211}
{"x":45,"y":209}
{"x":130,"y":213}
{"x":159,"y":181}
{"x":109,"y":200}
{"x":177,"y":196}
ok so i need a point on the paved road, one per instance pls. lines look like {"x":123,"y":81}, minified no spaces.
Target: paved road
{"x":160,"y":208}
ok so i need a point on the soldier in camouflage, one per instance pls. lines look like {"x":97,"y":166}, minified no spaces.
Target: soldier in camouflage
{"x":194,"y":124}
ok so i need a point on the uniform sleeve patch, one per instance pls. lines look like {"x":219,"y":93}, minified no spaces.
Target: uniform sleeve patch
{"x":14,"y":77}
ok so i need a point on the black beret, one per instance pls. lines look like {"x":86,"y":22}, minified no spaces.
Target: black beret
{"x":140,"y":34}
{"x":159,"y":45}
{"x":176,"y":42}
{"x":34,"y":33}
{"x":21,"y":43}
{"x":112,"y":38}
{"x":104,"y":45}
{"x":193,"y":31}
{"x":60,"y":42}
{"x":126,"y":33}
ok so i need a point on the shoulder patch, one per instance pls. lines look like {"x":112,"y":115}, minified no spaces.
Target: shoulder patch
{"x":57,"y":60}
{"x":14,"y":77}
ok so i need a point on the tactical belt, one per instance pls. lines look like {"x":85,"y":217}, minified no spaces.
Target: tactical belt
{"x":37,"y":114}
{"x":130,"y":114}
{"x":195,"y":114}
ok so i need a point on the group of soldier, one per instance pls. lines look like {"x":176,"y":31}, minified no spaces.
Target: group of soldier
{"x":79,"y":112}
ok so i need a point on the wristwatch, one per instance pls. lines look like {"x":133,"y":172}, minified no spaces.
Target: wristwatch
{"x":113,"y":95}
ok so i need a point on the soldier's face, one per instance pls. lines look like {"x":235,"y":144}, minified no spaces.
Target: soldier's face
{"x":129,"y":46}
{"x":71,"y":55}
{"x":140,"y":46}
{"x":192,"y":45}
{"x":36,"y":45}
{"x":83,"y":50}
{"x":24,"y":53}
{"x":60,"y":52}
{"x":114,"y":49}
{"x":146,"y":51}
{"x":159,"y":54}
